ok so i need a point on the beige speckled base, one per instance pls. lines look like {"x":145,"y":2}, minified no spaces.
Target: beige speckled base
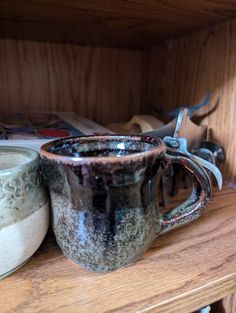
{"x":19,"y":241}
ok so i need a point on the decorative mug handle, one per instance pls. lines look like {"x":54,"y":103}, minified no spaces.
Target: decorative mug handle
{"x":193,"y":207}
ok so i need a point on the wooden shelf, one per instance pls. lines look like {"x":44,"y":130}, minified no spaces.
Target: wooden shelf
{"x":133,"y":23}
{"x":183,"y":271}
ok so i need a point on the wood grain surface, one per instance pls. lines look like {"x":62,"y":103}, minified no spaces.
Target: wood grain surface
{"x":183,"y":71}
{"x":103,"y":84}
{"x":183,"y":271}
{"x":133,"y":23}
{"x":226,"y":305}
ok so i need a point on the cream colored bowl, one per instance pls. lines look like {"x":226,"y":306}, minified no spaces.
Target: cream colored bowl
{"x":24,"y":207}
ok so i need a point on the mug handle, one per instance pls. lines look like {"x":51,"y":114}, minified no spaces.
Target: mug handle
{"x":193,"y":207}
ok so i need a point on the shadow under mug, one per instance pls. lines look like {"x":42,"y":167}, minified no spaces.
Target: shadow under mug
{"x":105,"y":207}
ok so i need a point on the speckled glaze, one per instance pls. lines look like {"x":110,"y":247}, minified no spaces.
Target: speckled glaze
{"x":20,"y":185}
{"x":103,"y":194}
{"x":24,"y":207}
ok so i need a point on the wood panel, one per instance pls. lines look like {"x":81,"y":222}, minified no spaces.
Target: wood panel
{"x":227,"y":305}
{"x":181,"y":72}
{"x":100,"y":83}
{"x":183,"y":271}
{"x":133,"y":23}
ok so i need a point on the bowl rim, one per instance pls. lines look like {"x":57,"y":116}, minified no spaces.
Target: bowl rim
{"x":32,"y":154}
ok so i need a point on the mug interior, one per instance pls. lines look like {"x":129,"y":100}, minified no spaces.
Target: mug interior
{"x":15,"y":157}
{"x":103,"y":146}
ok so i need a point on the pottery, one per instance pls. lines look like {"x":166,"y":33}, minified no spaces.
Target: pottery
{"x":24,"y":207}
{"x":104,"y":198}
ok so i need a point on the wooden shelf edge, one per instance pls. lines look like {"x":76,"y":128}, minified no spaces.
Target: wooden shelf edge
{"x":196,"y":298}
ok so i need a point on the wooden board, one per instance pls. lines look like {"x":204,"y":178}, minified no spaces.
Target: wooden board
{"x":103,"y":84}
{"x":134,"y":23}
{"x":183,"y":271}
{"x":226,"y":305}
{"x":184,"y":70}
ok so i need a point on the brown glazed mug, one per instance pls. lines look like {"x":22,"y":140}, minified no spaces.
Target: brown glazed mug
{"x":105,"y":207}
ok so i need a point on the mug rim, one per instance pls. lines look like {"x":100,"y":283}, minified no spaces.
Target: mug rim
{"x":160,"y":148}
{"x":33,"y":157}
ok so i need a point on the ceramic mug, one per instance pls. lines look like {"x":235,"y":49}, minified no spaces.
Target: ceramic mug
{"x":105,"y":208}
{"x":24,"y":207}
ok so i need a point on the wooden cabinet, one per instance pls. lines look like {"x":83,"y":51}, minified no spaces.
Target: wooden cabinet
{"x":109,"y":60}
{"x":132,"y":23}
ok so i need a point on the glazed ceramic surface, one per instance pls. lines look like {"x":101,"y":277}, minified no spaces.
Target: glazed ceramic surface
{"x":24,"y":207}
{"x":103,"y":195}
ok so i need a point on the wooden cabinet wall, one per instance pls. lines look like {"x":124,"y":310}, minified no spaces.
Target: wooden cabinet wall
{"x":104,"y":84}
{"x":111,"y":84}
{"x":182,"y":71}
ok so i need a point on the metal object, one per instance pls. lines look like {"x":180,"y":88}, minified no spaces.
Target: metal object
{"x":179,"y":145}
{"x":184,"y":137}
{"x":207,"y":309}
{"x":182,"y":127}
{"x":191,"y":109}
{"x":214,"y":148}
